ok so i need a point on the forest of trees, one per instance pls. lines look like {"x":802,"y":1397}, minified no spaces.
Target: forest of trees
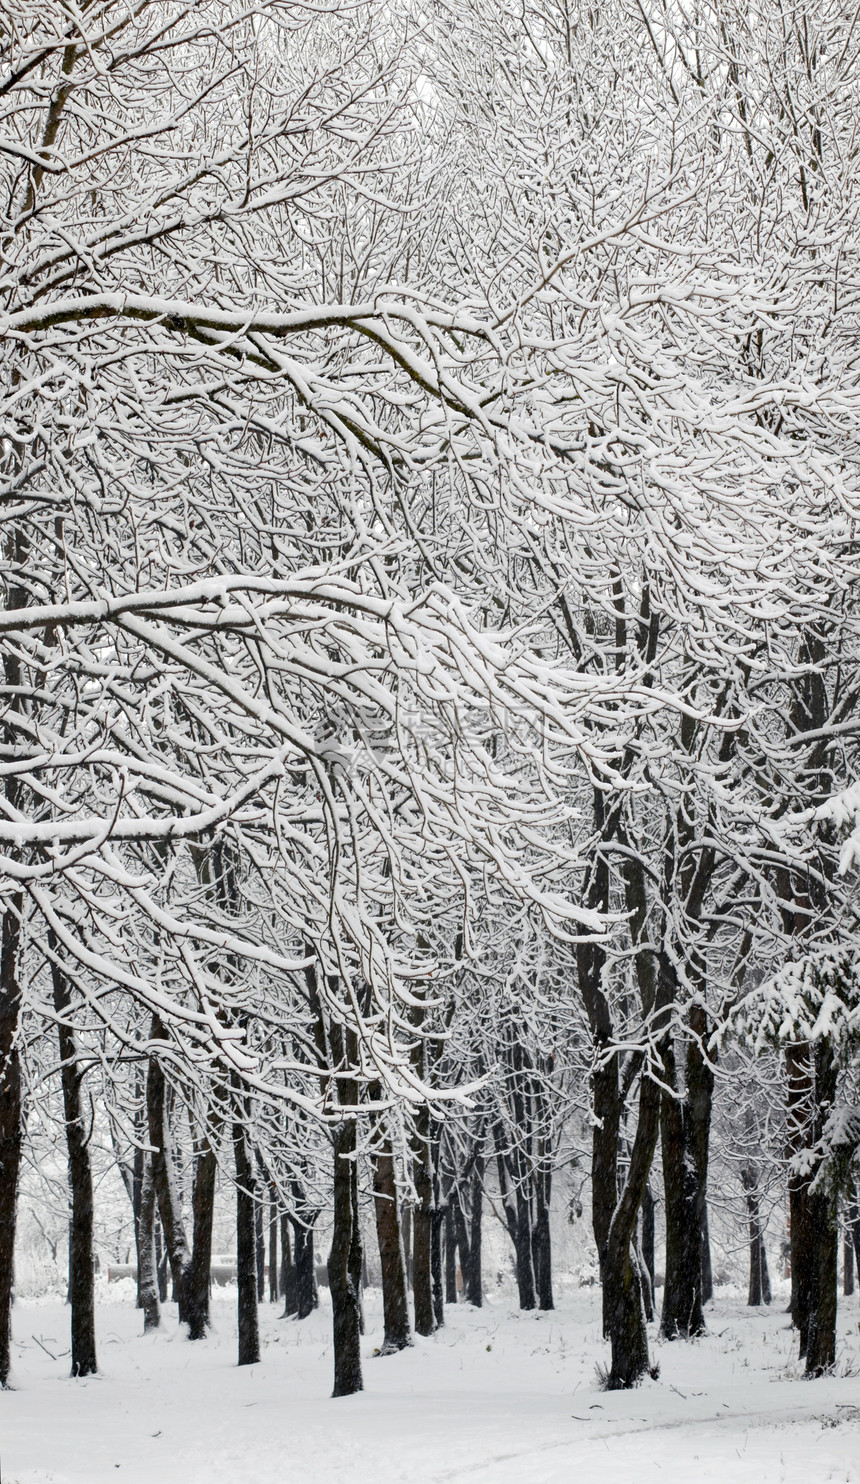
{"x":431,"y":642}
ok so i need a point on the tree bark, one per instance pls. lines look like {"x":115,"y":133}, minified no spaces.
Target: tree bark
{"x":623,"y":1301}
{"x":246,"y":1245}
{"x":203,"y":1214}
{"x":147,"y":1275}
{"x":473,"y":1276}
{"x":395,"y":1301}
{"x":11,"y":1120}
{"x":344,"y":1296}
{"x":81,"y":1278}
{"x":164,"y":1175}
{"x":288,"y":1270}
{"x":821,"y":1333}
{"x":541,"y":1243}
{"x":306,"y":1285}
{"x":648,"y":1246}
{"x":799,"y":1086}
{"x":685,"y":1126}
{"x":422,"y":1286}
{"x":274,"y":1270}
{"x":450,"y":1252}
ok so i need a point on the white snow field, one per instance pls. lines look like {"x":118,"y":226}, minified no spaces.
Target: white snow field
{"x":495,"y":1397}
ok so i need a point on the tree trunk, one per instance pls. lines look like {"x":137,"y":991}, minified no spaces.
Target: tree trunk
{"x":682,"y":1293}
{"x":648,"y":1248}
{"x":437,"y":1224}
{"x":422,"y":1223}
{"x":821,"y":1335}
{"x":450,"y":1252}
{"x":288,"y":1270}
{"x":164,"y":1174}
{"x":274,"y":1270}
{"x":306,"y":1285}
{"x":395,"y":1301}
{"x":541,"y":1244}
{"x":11,"y":1120}
{"x":147,"y":1274}
{"x":474,"y":1276}
{"x":799,"y":1086}
{"x":623,"y":1302}
{"x":203,"y":1213}
{"x":160,"y":1254}
{"x":259,"y":1251}
{"x":344,"y":1296}
{"x":356,"y":1248}
{"x":81,"y":1288}
{"x":246,"y":1246}
{"x":686,"y":1124}
{"x":707,"y":1266}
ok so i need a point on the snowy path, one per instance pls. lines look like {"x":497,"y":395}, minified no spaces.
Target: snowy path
{"x":496,"y":1397}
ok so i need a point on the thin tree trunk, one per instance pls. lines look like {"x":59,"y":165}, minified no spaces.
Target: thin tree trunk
{"x":203,"y":1214}
{"x":274,"y":1271}
{"x":160,"y":1254}
{"x":422,"y":1222}
{"x":623,"y":1302}
{"x":821,"y":1337}
{"x":288,"y":1269}
{"x":395,"y":1301}
{"x":799,"y":1084}
{"x":356,"y":1248}
{"x":541,"y":1243}
{"x":11,"y":1120}
{"x":450,"y":1252}
{"x":81,"y":1283}
{"x":306,"y":1288}
{"x":164,"y":1173}
{"x":246,"y":1245}
{"x":147,"y":1285}
{"x":648,"y":1247}
{"x":437,"y":1224}
{"x":259,"y":1251}
{"x":707,"y":1266}
{"x":344,"y":1297}
{"x":473,"y":1275}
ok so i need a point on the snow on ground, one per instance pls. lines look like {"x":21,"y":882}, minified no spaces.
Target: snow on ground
{"x":496,"y":1397}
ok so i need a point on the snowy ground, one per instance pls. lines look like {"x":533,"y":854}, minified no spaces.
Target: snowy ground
{"x":494,"y":1397}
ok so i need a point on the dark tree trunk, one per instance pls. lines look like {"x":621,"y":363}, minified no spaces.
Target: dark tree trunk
{"x":473,"y":1276}
{"x":274,"y":1270}
{"x":648,"y":1248}
{"x":686,"y":1124}
{"x":160,"y":1253}
{"x":799,"y":1088}
{"x":203,"y":1214}
{"x":395,"y":1302}
{"x":147,"y":1273}
{"x":623,"y":1300}
{"x":81,"y":1283}
{"x":821,"y":1335}
{"x":437,"y":1225}
{"x":450,"y":1252}
{"x":356,"y":1247}
{"x":406,"y":1228}
{"x":346,"y":1319}
{"x":11,"y":1120}
{"x":541,"y":1244}
{"x":707,"y":1266}
{"x":259,"y":1251}
{"x":306,"y":1284}
{"x":246,"y":1247}
{"x":847,"y":1265}
{"x":288,"y":1270}
{"x":164,"y":1174}
{"x":759,"y":1281}
{"x":137,"y":1191}
{"x":422,"y":1228}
